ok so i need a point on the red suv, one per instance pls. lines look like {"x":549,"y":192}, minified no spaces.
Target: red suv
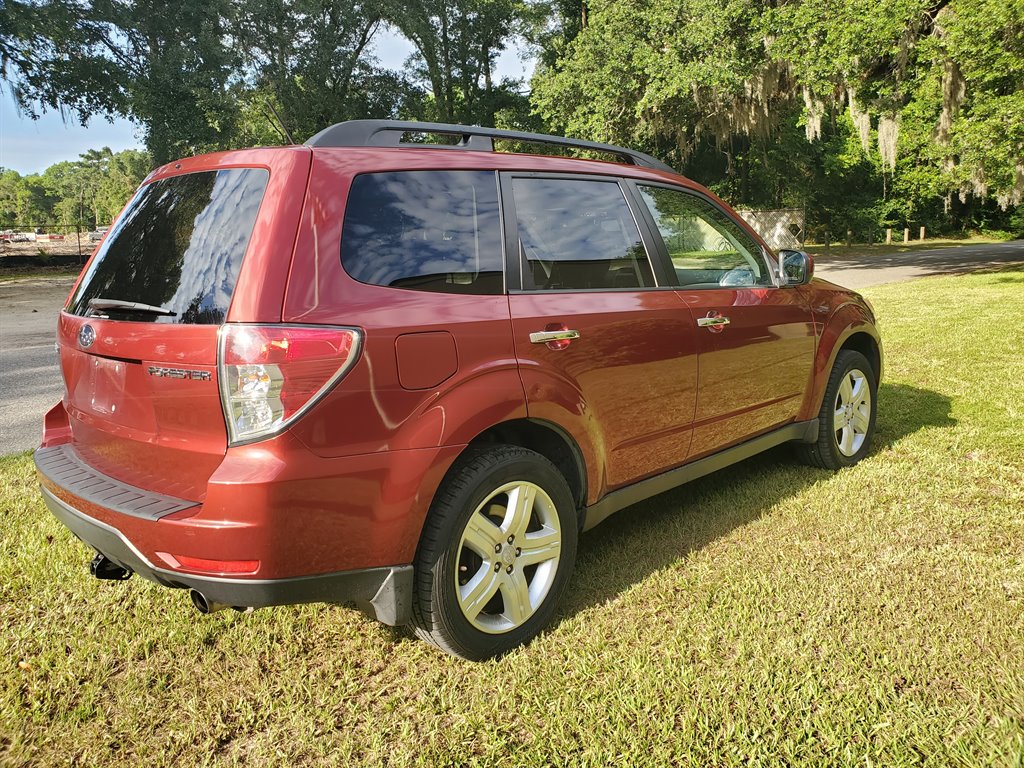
{"x":406,"y":376}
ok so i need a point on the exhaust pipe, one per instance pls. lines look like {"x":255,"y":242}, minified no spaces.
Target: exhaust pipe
{"x":204,"y":606}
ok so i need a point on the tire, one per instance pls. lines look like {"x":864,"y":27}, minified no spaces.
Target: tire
{"x":851,"y":404}
{"x":479,"y":593}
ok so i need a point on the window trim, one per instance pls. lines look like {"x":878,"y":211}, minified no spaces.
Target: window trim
{"x":648,"y":215}
{"x":510,"y":225}
{"x":392,"y":171}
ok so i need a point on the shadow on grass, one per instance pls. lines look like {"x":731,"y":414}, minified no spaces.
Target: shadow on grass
{"x":655,"y":533}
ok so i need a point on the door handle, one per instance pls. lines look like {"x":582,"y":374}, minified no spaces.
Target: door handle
{"x":712,"y":321}
{"x":546,"y":337}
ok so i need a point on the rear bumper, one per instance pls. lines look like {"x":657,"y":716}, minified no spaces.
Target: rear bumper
{"x":383,"y":593}
{"x":273,"y":501}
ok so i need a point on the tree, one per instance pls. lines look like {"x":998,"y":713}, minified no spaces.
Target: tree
{"x":913,"y":100}
{"x":125,"y":171}
{"x":163,"y":65}
{"x":305,"y":66}
{"x":88,"y":191}
{"x":457,"y":42}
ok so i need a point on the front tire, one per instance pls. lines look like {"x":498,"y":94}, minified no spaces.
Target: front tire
{"x":496,"y":553}
{"x":846,"y":421}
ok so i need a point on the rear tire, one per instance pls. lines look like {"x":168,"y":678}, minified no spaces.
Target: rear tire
{"x":846,"y":421}
{"x":496,"y":553}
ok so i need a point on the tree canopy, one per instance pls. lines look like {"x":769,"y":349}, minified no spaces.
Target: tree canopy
{"x":909,"y":110}
{"x":89,"y":191}
{"x":201,"y":75}
{"x":866,"y":114}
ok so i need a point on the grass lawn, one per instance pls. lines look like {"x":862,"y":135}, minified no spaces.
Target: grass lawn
{"x":770,"y":614}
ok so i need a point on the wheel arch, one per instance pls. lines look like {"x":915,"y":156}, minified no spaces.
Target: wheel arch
{"x":863,"y":342}
{"x":849,"y":327}
{"x":550,"y":441}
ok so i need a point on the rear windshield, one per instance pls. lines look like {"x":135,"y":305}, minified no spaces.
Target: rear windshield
{"x":174,"y":254}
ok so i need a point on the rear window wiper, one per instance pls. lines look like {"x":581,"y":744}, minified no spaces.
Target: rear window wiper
{"x":129,"y":306}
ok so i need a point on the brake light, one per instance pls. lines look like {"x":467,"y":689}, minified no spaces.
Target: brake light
{"x":271,"y":374}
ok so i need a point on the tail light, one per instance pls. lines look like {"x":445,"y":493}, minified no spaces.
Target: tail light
{"x":271,"y":374}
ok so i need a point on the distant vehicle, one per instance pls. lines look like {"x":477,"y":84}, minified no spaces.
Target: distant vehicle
{"x":98,"y":234}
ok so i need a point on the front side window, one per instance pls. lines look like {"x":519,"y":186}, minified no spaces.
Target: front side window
{"x":578,"y":235}
{"x":708,"y":249}
{"x":425,"y":230}
{"x":177,"y":248}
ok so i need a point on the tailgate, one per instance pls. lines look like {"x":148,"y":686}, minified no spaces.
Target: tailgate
{"x":138,"y":338}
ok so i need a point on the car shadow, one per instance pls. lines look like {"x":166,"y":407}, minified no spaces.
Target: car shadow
{"x":653,"y":534}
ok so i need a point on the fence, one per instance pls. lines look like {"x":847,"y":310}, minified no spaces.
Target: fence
{"x":782,"y":228}
{"x":26,"y":243}
{"x":786,"y":228}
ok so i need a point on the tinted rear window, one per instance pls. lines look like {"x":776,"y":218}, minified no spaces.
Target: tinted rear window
{"x":578,"y":234}
{"x":425,"y":230}
{"x":178,"y":245}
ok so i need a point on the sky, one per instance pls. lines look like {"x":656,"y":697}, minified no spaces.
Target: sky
{"x":30,"y":146}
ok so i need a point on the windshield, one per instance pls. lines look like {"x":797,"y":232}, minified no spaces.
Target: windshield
{"x":177,"y":247}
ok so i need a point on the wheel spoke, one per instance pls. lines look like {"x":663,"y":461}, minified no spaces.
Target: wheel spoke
{"x":539,"y":547}
{"x":846,"y":390}
{"x":520,"y":508}
{"x":846,"y":442}
{"x":859,"y":389}
{"x":516,"y":594}
{"x":839,"y":420}
{"x":478,"y":591}
{"x":860,"y":422}
{"x":482,"y":535}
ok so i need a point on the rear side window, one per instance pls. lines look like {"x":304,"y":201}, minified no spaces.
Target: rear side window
{"x":578,"y":235}
{"x":177,"y":247}
{"x":425,"y":230}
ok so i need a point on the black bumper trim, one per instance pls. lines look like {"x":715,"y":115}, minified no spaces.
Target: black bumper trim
{"x":383,"y":593}
{"x":799,"y":431}
{"x":61,"y":465}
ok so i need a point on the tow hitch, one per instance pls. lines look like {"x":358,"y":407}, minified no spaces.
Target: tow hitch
{"x":103,"y":567}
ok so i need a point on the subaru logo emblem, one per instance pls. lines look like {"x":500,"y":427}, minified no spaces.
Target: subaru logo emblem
{"x":86,"y":336}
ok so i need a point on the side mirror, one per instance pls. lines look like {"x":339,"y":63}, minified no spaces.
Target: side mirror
{"x":795,"y":267}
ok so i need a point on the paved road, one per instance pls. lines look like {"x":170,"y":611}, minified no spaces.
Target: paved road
{"x":894,"y":267}
{"x":29,"y":375}
{"x":30,"y":380}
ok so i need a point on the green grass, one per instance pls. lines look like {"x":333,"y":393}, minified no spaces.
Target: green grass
{"x":768,"y":615}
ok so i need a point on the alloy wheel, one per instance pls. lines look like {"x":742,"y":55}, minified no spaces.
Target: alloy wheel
{"x":508,"y":557}
{"x":852,"y":417}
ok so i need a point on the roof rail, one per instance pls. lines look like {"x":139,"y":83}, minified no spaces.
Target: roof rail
{"x":388,"y":133}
